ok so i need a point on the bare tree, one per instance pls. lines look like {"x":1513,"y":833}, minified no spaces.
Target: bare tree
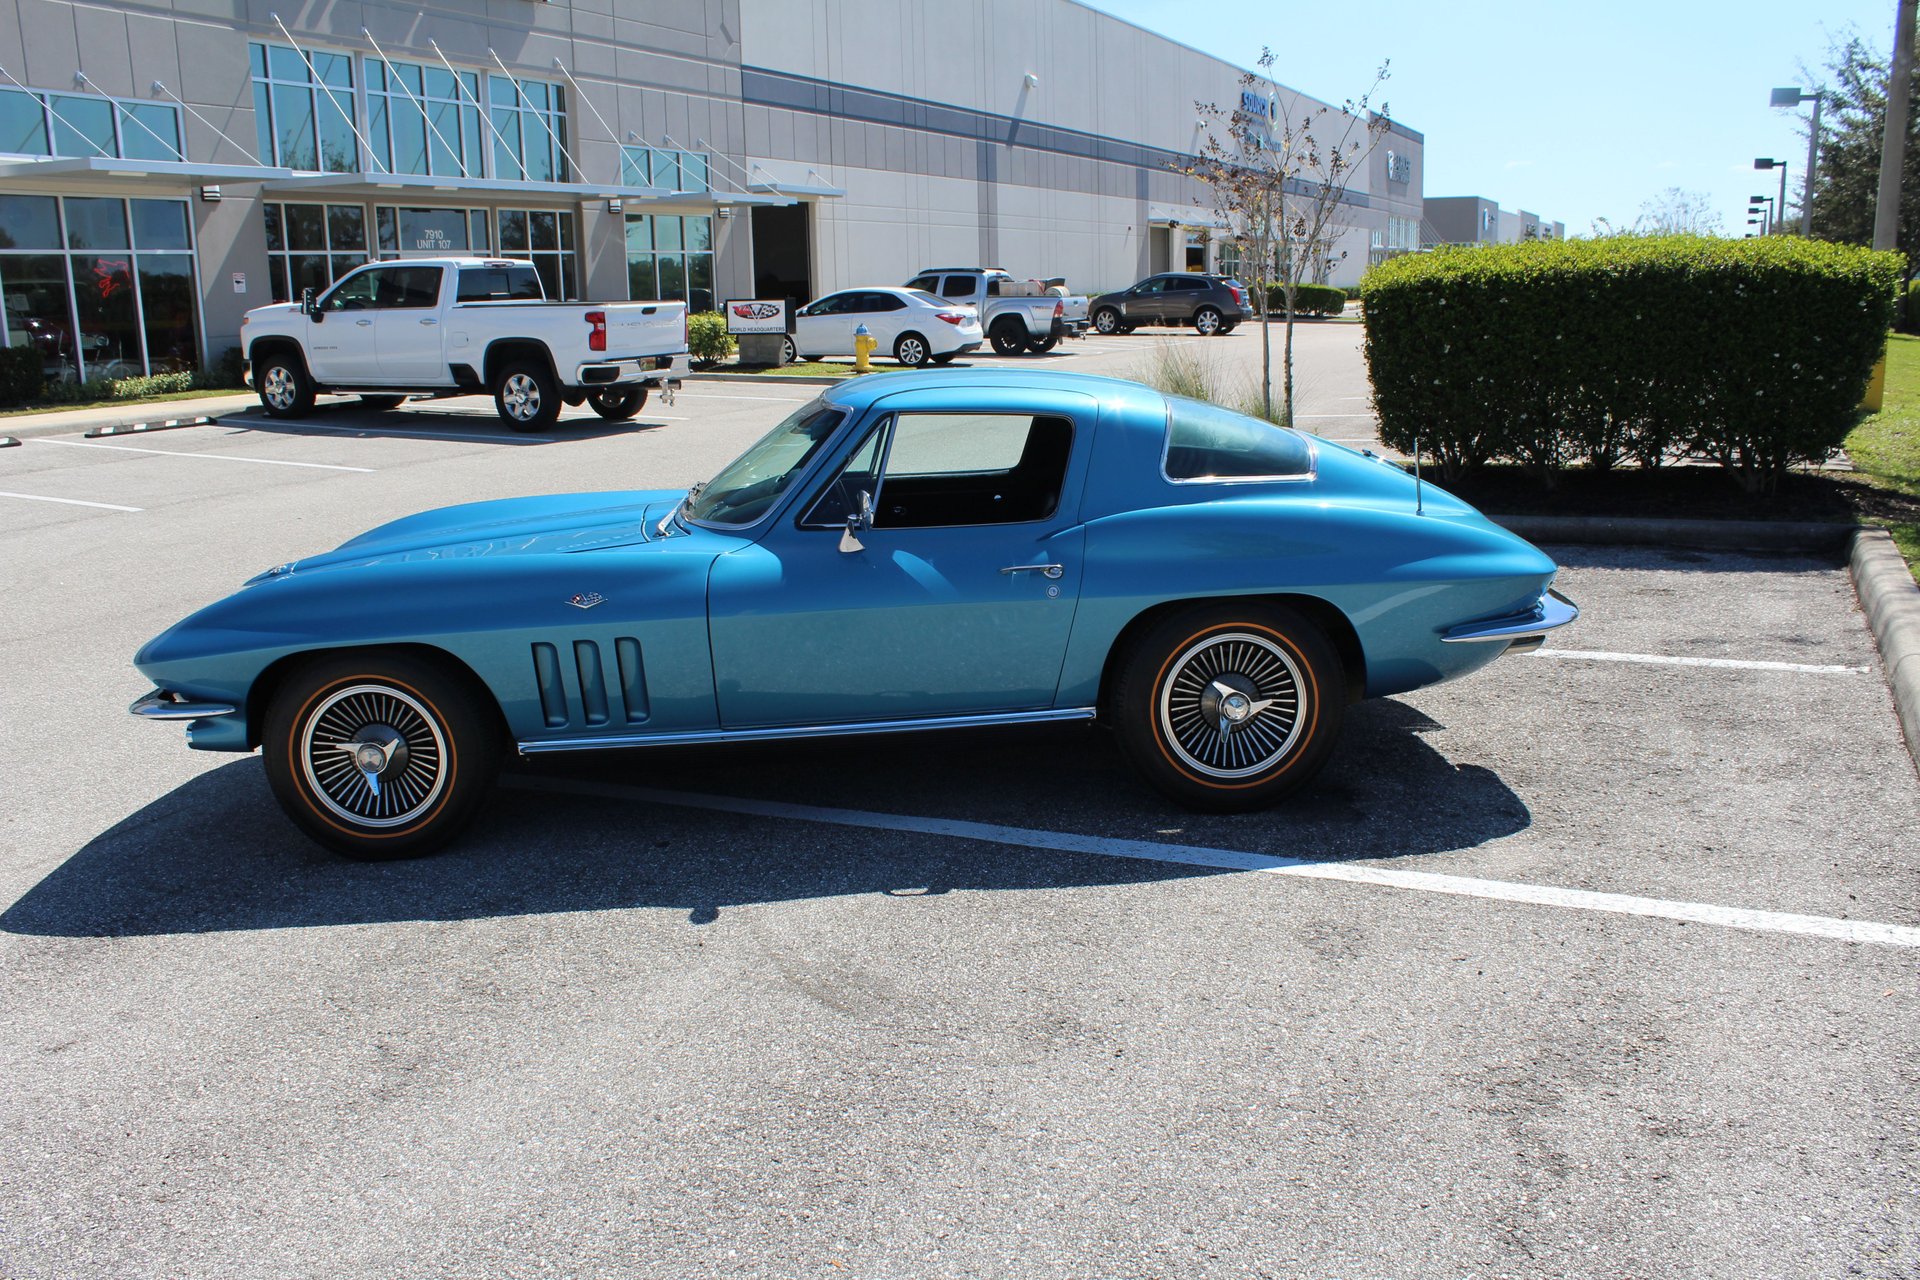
{"x":1673,"y":210}
{"x":1278,"y":169}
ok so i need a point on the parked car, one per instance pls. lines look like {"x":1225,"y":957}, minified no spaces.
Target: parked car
{"x":905,"y":552}
{"x":1016,"y":315}
{"x":441,"y":327}
{"x":912,"y":326}
{"x":1211,"y":304}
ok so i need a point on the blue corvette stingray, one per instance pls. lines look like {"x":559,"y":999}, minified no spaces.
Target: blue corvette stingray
{"x":910,"y":551}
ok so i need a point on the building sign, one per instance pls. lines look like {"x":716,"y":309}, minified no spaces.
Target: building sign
{"x":1253,"y":104}
{"x":1399,"y":167}
{"x":433,"y":230}
{"x":759,"y":315}
{"x":239,"y":282}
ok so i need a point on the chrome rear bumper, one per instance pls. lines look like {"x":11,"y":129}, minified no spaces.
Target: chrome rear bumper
{"x":1553,"y":610}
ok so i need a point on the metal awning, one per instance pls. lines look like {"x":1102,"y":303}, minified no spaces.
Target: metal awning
{"x":102,"y":173}
{"x":798,"y":189}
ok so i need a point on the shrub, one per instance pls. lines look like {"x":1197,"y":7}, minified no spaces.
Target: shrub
{"x":708,"y":342}
{"x":1308,"y":300}
{"x":62,"y":392}
{"x":222,"y":375}
{"x":20,"y":375}
{"x":1181,"y":371}
{"x":152,"y":384}
{"x":1750,"y":352}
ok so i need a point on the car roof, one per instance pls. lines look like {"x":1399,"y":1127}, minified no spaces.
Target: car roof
{"x":857,"y":394}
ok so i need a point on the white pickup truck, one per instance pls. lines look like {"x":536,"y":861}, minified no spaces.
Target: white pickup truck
{"x":438,"y":327}
{"x":1016,"y":315}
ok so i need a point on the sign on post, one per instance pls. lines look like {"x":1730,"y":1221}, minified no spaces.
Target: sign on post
{"x":759,"y":315}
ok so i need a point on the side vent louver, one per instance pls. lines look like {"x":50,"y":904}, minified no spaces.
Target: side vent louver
{"x":585,"y":697}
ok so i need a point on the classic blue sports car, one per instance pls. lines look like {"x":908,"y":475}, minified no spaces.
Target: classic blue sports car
{"x":910,"y":551}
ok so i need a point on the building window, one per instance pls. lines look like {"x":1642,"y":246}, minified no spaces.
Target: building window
{"x":305,"y":123}
{"x":661,"y":167}
{"x":530,"y":122}
{"x":309,"y":246}
{"x":670,"y":259}
{"x":422,"y":232}
{"x":100,"y":287}
{"x":66,"y":124}
{"x":543,"y":237}
{"x":420,"y":119}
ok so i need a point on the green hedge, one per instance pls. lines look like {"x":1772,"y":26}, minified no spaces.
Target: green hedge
{"x":1753,"y":352}
{"x":708,"y":341}
{"x":20,"y":374}
{"x":1308,"y":300}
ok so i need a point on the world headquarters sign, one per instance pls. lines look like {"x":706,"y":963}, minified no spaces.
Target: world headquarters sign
{"x":758,"y":315}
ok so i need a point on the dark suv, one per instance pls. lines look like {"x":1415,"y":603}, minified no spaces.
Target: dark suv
{"x":1211,"y":304}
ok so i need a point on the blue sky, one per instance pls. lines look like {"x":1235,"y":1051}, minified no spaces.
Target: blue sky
{"x":1572,"y":111}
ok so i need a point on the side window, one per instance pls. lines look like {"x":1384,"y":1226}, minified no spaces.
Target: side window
{"x":1206,"y":442}
{"x":356,"y":292}
{"x":1185,"y":285}
{"x":1155,"y":285}
{"x":943,"y":470}
{"x":930,"y":283}
{"x":959,"y":289}
{"x":885,"y":302}
{"x":832,"y":305}
{"x":498,"y":284}
{"x":413,"y":288}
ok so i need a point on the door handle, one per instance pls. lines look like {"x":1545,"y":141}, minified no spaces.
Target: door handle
{"x":429,"y":320}
{"x":363,"y":323}
{"x":1044,"y":570}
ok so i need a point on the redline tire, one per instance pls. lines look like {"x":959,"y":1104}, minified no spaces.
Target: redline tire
{"x":1263,"y":671}
{"x":436,"y":752}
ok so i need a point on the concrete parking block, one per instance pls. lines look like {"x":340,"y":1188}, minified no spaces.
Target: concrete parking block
{"x":1891,"y":600}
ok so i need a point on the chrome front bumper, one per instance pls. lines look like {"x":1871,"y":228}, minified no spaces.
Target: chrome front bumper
{"x":1553,"y":610}
{"x":162,"y":705}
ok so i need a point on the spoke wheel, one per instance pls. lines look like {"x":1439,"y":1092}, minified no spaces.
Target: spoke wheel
{"x":1107,"y":320}
{"x":1207,"y":322}
{"x":526,"y":397}
{"x":381,"y":758}
{"x":911,"y":350}
{"x":1229,"y":706}
{"x":285,"y":389}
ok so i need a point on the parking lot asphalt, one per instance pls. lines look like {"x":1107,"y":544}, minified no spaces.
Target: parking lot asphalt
{"x":1597,"y":963}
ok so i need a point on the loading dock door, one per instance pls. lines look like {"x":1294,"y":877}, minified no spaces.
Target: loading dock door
{"x":783,"y":252}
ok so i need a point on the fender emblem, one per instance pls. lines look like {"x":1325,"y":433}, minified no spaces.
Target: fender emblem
{"x":586,"y":600}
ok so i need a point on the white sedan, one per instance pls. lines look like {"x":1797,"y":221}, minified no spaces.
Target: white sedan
{"x":912,"y":325}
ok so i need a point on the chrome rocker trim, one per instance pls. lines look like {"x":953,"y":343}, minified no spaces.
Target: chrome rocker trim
{"x":1554,"y":610}
{"x":973,"y":721}
{"x":161,"y":705}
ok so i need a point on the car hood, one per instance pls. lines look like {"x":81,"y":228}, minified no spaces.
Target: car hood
{"x":556,"y":523}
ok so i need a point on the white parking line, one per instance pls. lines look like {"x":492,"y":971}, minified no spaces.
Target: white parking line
{"x":712,"y":395}
{"x":217,"y":457}
{"x":368,"y":433}
{"x":1660,"y":660}
{"x":71,"y":502}
{"x":1891,"y":935}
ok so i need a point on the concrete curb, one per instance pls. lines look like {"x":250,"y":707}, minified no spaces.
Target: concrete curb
{"x":73,"y":422}
{"x":792,"y":379}
{"x":1891,"y":600}
{"x":1717,"y":535}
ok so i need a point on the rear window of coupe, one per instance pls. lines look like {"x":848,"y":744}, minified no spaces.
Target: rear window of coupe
{"x":1206,"y":442}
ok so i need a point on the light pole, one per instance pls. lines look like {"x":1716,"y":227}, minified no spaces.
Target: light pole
{"x":1754,"y":204}
{"x":1793,"y":97}
{"x":1781,"y":165}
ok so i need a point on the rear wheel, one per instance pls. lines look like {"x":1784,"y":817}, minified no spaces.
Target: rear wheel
{"x":1042,"y":345}
{"x":1230,"y":706}
{"x":379,"y":756}
{"x":619,"y":404}
{"x":382,"y":403}
{"x":911,"y":350}
{"x":285,"y":389}
{"x":526,"y":397}
{"x":791,"y":352}
{"x":1207,"y":321}
{"x":1008,"y":338}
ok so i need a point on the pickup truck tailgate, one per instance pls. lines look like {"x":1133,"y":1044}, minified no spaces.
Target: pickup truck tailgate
{"x":645,"y":328}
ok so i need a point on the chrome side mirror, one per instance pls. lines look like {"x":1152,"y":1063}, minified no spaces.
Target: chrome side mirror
{"x":858,"y":523}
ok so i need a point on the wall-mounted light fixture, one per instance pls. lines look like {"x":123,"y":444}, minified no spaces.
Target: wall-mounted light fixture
{"x":614,"y":206}
{"x":1033,"y":81}
{"x":724,"y":211}
{"x":210,"y":193}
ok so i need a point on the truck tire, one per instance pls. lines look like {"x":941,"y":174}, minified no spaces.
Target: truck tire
{"x":619,"y":404}
{"x":382,"y":403}
{"x":281,"y":378}
{"x":1040,"y":346}
{"x":1008,"y":337}
{"x":526,"y":397}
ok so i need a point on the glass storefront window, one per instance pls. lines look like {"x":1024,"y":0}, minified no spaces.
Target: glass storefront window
{"x":150,"y":131}
{"x":81,"y":126}
{"x":23,"y":124}
{"x":166,"y":306}
{"x":309,"y":246}
{"x":96,"y":223}
{"x":663,"y":167}
{"x":420,"y":119}
{"x":670,"y":258}
{"x":109,"y":325}
{"x":543,"y":237}
{"x":29,"y":222}
{"x":160,"y":224}
{"x":532,"y":127}
{"x":87,"y":125}
{"x":304,"y":119}
{"x":35,"y":298}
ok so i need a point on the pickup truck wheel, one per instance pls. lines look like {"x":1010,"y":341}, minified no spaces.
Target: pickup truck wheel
{"x":378,"y":756}
{"x":1206,"y":321}
{"x":1107,"y":320}
{"x":911,"y":350}
{"x":382,"y":403}
{"x":526,"y":397}
{"x":1041,"y":346}
{"x":285,"y":389}
{"x":1007,"y":338}
{"x":1231,"y":706}
{"x":617,"y":405}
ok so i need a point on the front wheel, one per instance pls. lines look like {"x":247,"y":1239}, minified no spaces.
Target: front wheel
{"x":1107,"y":320}
{"x":789,"y":352}
{"x":285,"y":389}
{"x":911,"y":350}
{"x":619,"y":404}
{"x":526,"y":397}
{"x":1207,"y":321}
{"x":1229,"y":707}
{"x":377,"y":757}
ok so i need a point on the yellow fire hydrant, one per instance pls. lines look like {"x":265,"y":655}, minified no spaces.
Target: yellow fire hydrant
{"x":863,"y":345}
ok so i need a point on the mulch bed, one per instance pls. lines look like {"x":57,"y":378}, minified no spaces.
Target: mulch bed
{"x":1680,"y":493}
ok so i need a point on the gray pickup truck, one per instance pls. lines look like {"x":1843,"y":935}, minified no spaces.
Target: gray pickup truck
{"x":1016,"y":315}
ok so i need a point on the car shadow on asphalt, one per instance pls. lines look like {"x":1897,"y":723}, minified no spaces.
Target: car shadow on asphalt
{"x":424,"y":423}
{"x":215,"y":854}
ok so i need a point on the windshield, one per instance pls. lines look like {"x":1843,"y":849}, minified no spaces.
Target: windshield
{"x":754,"y":481}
